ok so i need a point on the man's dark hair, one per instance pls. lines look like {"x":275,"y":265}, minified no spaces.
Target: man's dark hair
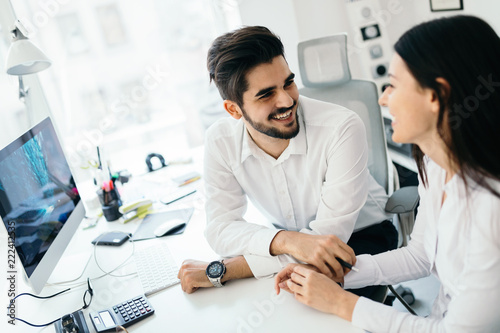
{"x":233,"y":54}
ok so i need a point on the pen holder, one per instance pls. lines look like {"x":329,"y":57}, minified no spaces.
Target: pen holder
{"x":105,"y":198}
{"x":110,"y":202}
{"x":111,"y":212}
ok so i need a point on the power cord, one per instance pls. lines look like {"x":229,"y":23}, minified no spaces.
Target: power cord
{"x":80,"y":283}
{"x":69,"y":282}
{"x":405,"y":304}
{"x":39,"y":297}
{"x":122,"y":264}
{"x":74,"y":280}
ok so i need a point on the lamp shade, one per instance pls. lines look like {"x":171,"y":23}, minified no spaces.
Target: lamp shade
{"x":25,"y":58}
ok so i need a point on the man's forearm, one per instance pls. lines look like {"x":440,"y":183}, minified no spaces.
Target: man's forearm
{"x":281,"y":243}
{"x":236,"y":268}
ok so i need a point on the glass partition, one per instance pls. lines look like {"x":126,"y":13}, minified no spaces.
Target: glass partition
{"x":128,"y":76}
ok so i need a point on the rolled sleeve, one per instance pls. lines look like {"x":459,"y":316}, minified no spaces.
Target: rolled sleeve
{"x":266,"y":267}
{"x":260,"y":242}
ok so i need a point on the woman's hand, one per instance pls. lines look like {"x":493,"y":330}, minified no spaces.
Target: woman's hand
{"x":281,"y":278}
{"x":318,"y":291}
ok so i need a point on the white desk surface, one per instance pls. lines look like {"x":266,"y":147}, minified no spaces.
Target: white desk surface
{"x":247,"y":305}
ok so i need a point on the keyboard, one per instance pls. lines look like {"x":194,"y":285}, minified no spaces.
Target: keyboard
{"x":156,"y":268}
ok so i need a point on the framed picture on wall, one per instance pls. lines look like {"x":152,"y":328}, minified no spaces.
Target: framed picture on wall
{"x":112,"y":25}
{"x":72,"y":33}
{"x":445,"y":5}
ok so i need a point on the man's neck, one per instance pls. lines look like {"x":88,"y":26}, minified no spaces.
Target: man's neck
{"x":271,"y":146}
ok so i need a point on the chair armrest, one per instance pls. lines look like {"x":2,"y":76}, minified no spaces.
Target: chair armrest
{"x":403,"y":200}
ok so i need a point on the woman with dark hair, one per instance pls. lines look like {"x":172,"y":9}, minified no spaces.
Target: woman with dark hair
{"x":444,"y":95}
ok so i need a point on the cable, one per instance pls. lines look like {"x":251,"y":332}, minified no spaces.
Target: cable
{"x":122,"y":264}
{"x":408,"y":307}
{"x":68,"y":282}
{"x":42,"y":297}
{"x":80,"y":283}
{"x":75,"y":279}
{"x":39,"y":297}
{"x":36,"y":325}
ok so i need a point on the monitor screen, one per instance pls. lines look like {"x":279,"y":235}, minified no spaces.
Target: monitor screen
{"x":39,"y":200}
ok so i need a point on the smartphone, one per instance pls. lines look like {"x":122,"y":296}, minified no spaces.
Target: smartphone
{"x":114,"y":238}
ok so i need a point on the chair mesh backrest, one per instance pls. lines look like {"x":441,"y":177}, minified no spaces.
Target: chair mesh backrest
{"x":330,"y":81}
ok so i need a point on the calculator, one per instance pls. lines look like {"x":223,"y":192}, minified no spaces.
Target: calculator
{"x":124,"y":314}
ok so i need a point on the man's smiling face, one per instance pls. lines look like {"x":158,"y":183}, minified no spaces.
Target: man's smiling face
{"x":270,"y":102}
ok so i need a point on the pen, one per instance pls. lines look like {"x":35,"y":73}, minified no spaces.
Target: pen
{"x":189,"y":181}
{"x":347,"y":265}
{"x":99,"y":158}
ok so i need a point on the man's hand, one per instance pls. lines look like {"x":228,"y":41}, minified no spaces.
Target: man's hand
{"x":318,"y":250}
{"x":192,"y":275}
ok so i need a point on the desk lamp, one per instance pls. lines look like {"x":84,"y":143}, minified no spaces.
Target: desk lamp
{"x":24,"y":57}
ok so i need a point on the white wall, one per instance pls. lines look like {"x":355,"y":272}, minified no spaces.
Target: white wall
{"x":298,"y":20}
{"x":280,"y":17}
{"x":320,"y":18}
{"x":417,"y":11}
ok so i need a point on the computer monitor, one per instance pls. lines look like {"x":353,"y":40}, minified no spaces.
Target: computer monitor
{"x":39,"y":201}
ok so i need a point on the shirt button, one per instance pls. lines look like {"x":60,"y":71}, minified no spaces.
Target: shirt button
{"x":289,"y":217}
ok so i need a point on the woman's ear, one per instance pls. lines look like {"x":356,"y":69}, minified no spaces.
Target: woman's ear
{"x":233,"y":109}
{"x":444,"y":91}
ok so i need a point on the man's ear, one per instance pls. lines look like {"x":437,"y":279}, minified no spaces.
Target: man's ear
{"x":233,"y":109}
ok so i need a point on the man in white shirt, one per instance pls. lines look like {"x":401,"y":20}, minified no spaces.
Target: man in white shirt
{"x":302,"y":162}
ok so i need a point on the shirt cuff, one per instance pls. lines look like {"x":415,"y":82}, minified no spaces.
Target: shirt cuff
{"x":363,"y":314}
{"x":266,"y":267}
{"x":376,"y":317}
{"x":364,"y":277}
{"x":261,"y":242}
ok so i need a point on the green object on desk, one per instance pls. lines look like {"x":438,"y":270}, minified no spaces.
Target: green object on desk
{"x":140,"y":209}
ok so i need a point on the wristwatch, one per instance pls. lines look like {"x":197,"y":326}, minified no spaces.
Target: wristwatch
{"x":215,"y":271}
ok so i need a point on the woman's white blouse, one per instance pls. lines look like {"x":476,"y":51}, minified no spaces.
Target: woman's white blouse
{"x":458,"y":242}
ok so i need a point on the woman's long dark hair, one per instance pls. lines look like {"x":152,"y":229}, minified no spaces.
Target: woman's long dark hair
{"x":465,"y":51}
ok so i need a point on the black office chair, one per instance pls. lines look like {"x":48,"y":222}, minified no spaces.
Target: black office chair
{"x":326,"y":76}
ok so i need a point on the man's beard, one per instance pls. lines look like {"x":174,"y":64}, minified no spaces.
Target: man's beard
{"x":273,"y":131}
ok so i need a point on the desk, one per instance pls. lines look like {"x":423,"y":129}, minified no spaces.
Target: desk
{"x":248,"y":305}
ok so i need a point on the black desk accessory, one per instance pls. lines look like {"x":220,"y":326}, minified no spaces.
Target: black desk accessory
{"x":72,"y":323}
{"x":149,"y":162}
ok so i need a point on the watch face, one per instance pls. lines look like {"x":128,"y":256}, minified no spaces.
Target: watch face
{"x":215,"y":269}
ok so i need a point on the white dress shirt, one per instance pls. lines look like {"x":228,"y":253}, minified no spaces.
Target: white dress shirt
{"x":460,"y":244}
{"x":319,"y":185}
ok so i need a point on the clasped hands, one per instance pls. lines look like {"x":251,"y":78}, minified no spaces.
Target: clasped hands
{"x":319,"y":251}
{"x":315,"y":284}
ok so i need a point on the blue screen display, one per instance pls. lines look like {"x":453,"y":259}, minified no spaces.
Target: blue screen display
{"x":37,"y":192}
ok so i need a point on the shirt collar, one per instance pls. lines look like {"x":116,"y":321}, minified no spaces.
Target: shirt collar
{"x":297,"y":145}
